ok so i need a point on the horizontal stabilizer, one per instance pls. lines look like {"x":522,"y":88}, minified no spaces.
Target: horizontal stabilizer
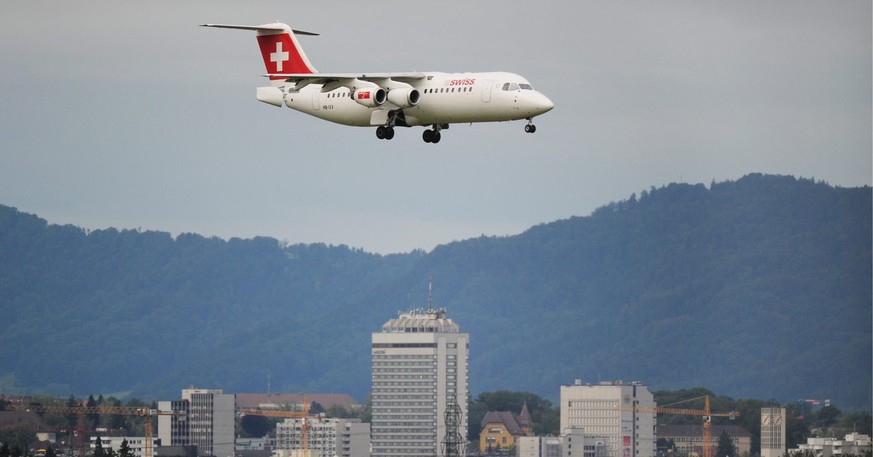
{"x":276,"y":27}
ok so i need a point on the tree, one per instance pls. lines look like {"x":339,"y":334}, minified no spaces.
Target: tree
{"x":72,"y":418}
{"x":93,"y":419}
{"x":315,"y":408}
{"x":726,"y":446}
{"x":98,"y":448}
{"x":339,"y":411}
{"x":253,"y":426}
{"x":4,"y":449}
{"x":123,"y":450}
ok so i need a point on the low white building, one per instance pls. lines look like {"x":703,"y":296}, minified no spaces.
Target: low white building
{"x":135,"y":443}
{"x":571,"y":443}
{"x":853,"y":444}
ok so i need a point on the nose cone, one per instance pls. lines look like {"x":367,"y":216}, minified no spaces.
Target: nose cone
{"x":539,"y":104}
{"x":545,"y":104}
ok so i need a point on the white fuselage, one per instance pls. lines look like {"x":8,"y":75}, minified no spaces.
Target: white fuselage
{"x":445,"y":98}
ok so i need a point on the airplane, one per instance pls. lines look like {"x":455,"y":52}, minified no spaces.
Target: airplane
{"x":388,"y":100}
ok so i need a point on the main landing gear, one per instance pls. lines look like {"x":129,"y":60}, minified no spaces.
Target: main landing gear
{"x":384,"y":133}
{"x":431,"y":136}
{"x":530,"y":128}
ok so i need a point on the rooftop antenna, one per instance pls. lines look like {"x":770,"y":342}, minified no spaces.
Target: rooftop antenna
{"x":430,"y":292}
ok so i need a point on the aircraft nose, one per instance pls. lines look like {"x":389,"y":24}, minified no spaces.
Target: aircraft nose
{"x":542,"y":104}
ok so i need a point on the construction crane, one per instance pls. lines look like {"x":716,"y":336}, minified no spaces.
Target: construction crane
{"x":304,"y":415}
{"x":705,"y":413}
{"x":81,"y":411}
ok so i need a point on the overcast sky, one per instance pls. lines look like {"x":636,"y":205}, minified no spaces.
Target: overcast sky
{"x":128,"y":115}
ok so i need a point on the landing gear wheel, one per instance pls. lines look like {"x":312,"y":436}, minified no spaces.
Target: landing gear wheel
{"x":431,"y":135}
{"x":530,"y":128}
{"x":384,"y":133}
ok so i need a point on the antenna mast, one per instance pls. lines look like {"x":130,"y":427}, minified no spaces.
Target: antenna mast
{"x":430,"y":292}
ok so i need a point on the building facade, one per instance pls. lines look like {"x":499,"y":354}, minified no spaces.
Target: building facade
{"x":852,"y":444}
{"x":419,"y":373}
{"x":500,"y":430}
{"x":326,"y":437}
{"x":688,"y":439}
{"x":605,"y":411}
{"x":773,"y":432}
{"x":136,"y":444}
{"x":205,"y":418}
{"x":571,"y":443}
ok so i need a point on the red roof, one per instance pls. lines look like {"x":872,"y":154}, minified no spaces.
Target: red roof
{"x":277,"y":400}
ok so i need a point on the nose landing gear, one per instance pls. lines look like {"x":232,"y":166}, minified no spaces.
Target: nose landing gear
{"x":530,"y":127}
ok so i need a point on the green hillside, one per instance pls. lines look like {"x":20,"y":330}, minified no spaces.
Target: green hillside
{"x":758,"y":288}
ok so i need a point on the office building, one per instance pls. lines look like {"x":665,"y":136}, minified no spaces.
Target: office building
{"x":606,"y":412}
{"x":205,"y":418}
{"x":419,"y":373}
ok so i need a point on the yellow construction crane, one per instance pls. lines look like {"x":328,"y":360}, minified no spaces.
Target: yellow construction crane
{"x":705,"y":413}
{"x":304,"y":414}
{"x":81,"y":411}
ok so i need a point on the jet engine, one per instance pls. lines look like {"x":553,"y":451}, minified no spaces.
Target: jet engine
{"x":370,"y":97}
{"x":404,"y":97}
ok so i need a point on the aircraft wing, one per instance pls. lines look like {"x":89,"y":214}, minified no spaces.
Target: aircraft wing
{"x":345,"y":79}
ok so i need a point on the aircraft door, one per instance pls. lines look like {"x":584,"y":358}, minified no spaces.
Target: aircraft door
{"x":486,"y":91}
{"x":316,"y":100}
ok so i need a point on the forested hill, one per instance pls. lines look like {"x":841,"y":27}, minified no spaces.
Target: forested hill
{"x":756,"y":288}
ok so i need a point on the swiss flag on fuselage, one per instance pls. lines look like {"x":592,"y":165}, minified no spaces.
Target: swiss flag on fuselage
{"x":281,"y":55}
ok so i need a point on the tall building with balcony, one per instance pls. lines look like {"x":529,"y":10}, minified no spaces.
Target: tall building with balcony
{"x":606,"y":412}
{"x":419,"y":372}
{"x":205,"y":418}
{"x":325,"y":437}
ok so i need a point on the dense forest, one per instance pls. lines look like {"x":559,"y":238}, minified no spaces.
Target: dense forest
{"x":758,"y":288}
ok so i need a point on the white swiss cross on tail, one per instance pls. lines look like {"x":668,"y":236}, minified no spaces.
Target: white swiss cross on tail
{"x":279,"y":57}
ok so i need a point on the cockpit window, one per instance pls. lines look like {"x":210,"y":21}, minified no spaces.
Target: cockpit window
{"x":526,"y":86}
{"x":513,"y":87}
{"x":505,"y":86}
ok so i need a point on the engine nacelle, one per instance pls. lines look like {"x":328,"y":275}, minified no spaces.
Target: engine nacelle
{"x":403,"y":97}
{"x":370,"y":97}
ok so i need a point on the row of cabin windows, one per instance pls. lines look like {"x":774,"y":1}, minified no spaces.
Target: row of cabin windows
{"x":443,"y":90}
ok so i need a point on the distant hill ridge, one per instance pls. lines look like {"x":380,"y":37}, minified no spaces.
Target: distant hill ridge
{"x":755,"y":288}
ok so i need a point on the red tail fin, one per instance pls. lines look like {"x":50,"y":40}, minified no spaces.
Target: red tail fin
{"x":282,"y":54}
{"x":280,"y":50}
